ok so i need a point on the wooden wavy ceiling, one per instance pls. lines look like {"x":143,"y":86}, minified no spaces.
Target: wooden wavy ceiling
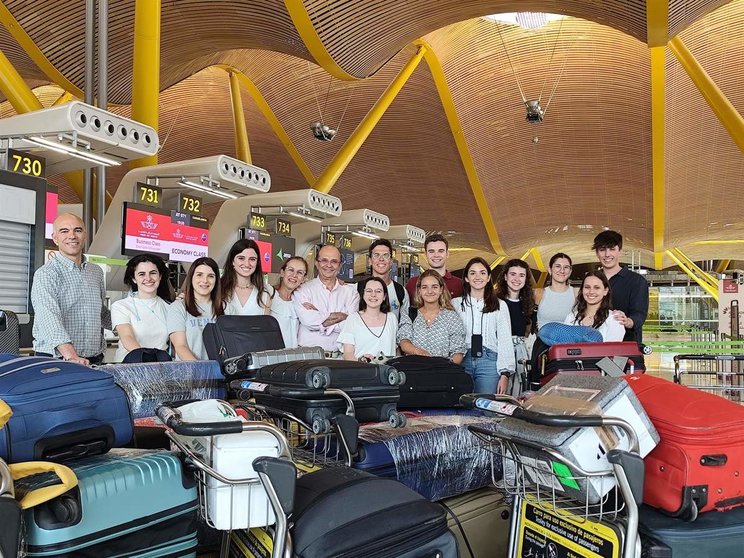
{"x":590,"y":167}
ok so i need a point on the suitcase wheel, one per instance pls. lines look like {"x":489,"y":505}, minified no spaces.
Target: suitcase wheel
{"x":402,"y":376}
{"x":397,"y":420}
{"x":393,"y":377}
{"x":320,"y":379}
{"x":321,"y":425}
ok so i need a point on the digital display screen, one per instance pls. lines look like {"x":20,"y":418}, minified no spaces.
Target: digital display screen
{"x":274,"y":248}
{"x":52,"y":200}
{"x":159,"y":231}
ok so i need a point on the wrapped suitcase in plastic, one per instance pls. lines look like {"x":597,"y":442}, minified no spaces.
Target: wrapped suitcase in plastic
{"x":431,"y":382}
{"x":696,"y":466}
{"x":149,"y":384}
{"x":584,"y":395}
{"x":583,"y":358}
{"x":61,"y":410}
{"x":245,"y":365}
{"x":437,"y":456}
{"x":127,"y":503}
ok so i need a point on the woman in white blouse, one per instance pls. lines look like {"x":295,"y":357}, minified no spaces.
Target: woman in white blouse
{"x":140,"y":320}
{"x":488,"y":336}
{"x":291,"y":275}
{"x":594,"y":308}
{"x":243,"y":289}
{"x":373,"y":330}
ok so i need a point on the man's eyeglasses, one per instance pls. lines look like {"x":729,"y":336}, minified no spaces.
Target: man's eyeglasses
{"x":326,"y":261}
{"x":380,"y":256}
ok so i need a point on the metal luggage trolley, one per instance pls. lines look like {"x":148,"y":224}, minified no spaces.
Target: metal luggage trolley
{"x":249,"y":502}
{"x":719,"y":374}
{"x":556,"y":514}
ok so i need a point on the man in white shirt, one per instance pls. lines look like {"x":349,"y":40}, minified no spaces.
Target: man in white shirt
{"x":324,"y":303}
{"x":381,"y":261}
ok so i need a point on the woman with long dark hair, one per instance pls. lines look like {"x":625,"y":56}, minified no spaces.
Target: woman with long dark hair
{"x":373,"y":330}
{"x":490,"y":355}
{"x":291,"y":275}
{"x":243,"y":289}
{"x":558,"y":297}
{"x":140,"y":320}
{"x":594,"y":306}
{"x":201,"y":305}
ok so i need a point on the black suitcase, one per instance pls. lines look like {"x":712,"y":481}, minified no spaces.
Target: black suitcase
{"x":343,"y":512}
{"x":341,"y":374}
{"x":10,"y":339}
{"x":245,"y":365}
{"x":431,"y":382}
{"x":232,"y":336}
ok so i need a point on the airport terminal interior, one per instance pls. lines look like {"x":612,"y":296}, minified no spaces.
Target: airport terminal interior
{"x":510,"y":130}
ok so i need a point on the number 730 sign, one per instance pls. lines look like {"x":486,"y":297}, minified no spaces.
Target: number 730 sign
{"x":26,"y":163}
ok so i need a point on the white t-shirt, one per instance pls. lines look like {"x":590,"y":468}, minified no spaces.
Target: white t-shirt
{"x":180,"y":320}
{"x":395,"y":306}
{"x":285,"y":313}
{"x":611,"y":329}
{"x":148,"y":318}
{"x":251,"y":306}
{"x":366,"y":340}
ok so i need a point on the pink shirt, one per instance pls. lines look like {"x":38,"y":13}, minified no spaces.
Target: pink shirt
{"x":342,"y":298}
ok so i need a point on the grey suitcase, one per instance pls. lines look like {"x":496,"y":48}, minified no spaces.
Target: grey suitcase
{"x":483,"y":518}
{"x":10,"y":338}
{"x":245,"y":364}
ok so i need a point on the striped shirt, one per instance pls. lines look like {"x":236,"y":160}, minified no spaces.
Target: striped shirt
{"x":68,"y":301}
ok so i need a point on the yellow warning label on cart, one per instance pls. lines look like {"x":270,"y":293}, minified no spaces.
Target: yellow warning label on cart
{"x":543,"y":534}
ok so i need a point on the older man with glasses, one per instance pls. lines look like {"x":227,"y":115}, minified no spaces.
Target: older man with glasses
{"x":380,"y":262}
{"x":324,"y":303}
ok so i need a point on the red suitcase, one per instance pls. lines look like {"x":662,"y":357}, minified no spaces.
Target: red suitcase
{"x":582,"y":358}
{"x":697,"y":465}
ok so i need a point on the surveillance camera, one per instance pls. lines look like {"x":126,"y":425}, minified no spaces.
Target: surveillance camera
{"x":322,"y":132}
{"x":535,"y":112}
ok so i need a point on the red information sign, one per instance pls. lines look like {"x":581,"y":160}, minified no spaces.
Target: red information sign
{"x":730,"y":286}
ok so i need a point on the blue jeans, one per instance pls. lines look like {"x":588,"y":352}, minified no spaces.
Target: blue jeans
{"x":483,"y":369}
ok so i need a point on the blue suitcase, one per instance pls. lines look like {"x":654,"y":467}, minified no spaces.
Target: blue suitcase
{"x":127,"y":503}
{"x":150,"y":384}
{"x":60,"y":409}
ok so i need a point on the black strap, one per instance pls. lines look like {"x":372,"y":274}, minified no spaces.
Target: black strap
{"x":400,"y":292}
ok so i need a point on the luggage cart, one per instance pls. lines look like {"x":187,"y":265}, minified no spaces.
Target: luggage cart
{"x":719,"y":374}
{"x":548,"y":520}
{"x":240,"y":494}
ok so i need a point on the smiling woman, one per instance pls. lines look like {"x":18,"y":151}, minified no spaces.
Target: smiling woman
{"x":373,"y":330}
{"x":593,"y":308}
{"x":243,"y":289}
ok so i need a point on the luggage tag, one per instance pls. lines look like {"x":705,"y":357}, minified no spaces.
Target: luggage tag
{"x":612,"y":368}
{"x":476,"y":345}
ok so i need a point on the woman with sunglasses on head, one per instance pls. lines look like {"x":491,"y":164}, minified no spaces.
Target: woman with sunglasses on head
{"x":373,"y":330}
{"x":558,"y":298}
{"x":593,"y":308}
{"x":243,"y":289}
{"x":140,"y":320}
{"x":200,"y":305}
{"x":437,"y":329}
{"x":490,"y":355}
{"x":291,"y":275}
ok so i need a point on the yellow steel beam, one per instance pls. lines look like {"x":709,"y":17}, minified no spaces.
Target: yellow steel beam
{"x":273,"y":121}
{"x":710,"y":242}
{"x":706,"y":287}
{"x":722,"y":107}
{"x":542,"y":279}
{"x":658,"y":260}
{"x":33,"y":51}
{"x":146,"y":70}
{"x":723,"y":266}
{"x":538,"y":259}
{"x":352,"y":145}
{"x":658,"y":125}
{"x":712,"y":281}
{"x":453,"y":119}
{"x":242,"y":147}
{"x":309,"y":36}
{"x":23,"y":100}
{"x":496,"y":262}
{"x":64,"y":98}
{"x":657,"y":22}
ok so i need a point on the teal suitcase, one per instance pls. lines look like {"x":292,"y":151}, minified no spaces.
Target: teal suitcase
{"x":127,"y":503}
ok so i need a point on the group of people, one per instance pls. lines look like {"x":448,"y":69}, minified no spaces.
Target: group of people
{"x":471,"y":321}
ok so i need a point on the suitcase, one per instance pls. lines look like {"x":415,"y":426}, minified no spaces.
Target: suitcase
{"x":231,"y":336}
{"x":61,"y":410}
{"x":712,"y":534}
{"x":127,"y":503}
{"x":482,"y":518}
{"x":147,"y":385}
{"x":11,"y":532}
{"x":10,"y":337}
{"x":341,"y":374}
{"x":345,"y":512}
{"x":582,"y":358}
{"x":436,"y":456}
{"x":246,"y":364}
{"x":571,"y":394}
{"x":431,"y":382}
{"x":696,"y":466}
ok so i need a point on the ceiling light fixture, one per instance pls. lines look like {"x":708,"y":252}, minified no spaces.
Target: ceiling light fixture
{"x":72,"y":150}
{"x":304,"y":216}
{"x":210,"y":188}
{"x":365,"y":234}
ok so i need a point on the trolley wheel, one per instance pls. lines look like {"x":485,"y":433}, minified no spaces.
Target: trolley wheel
{"x":397,"y":420}
{"x":402,"y":377}
{"x":692,"y":513}
{"x":393,"y":377}
{"x":321,"y":425}
{"x":319,"y":379}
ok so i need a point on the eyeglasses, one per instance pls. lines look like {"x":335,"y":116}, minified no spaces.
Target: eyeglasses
{"x":380,"y":256}
{"x":326,"y":261}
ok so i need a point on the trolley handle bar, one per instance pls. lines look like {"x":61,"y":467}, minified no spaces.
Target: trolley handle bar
{"x":172,"y":419}
{"x":677,"y":358}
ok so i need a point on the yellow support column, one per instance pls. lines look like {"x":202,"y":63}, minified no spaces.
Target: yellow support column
{"x":242,"y":147}
{"x":331,"y":174}
{"x":496,"y":262}
{"x":705,"y":286}
{"x":66,"y":97}
{"x":722,"y":107}
{"x":658,"y":126}
{"x":542,"y":279}
{"x":707,"y":277}
{"x":723,"y":266}
{"x":146,"y":70}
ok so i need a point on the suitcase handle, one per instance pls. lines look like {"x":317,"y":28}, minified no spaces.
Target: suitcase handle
{"x":172,"y":418}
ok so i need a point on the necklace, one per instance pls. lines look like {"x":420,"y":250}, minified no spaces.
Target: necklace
{"x":370,"y":330}
{"x":430,"y":321}
{"x":248,"y":286}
